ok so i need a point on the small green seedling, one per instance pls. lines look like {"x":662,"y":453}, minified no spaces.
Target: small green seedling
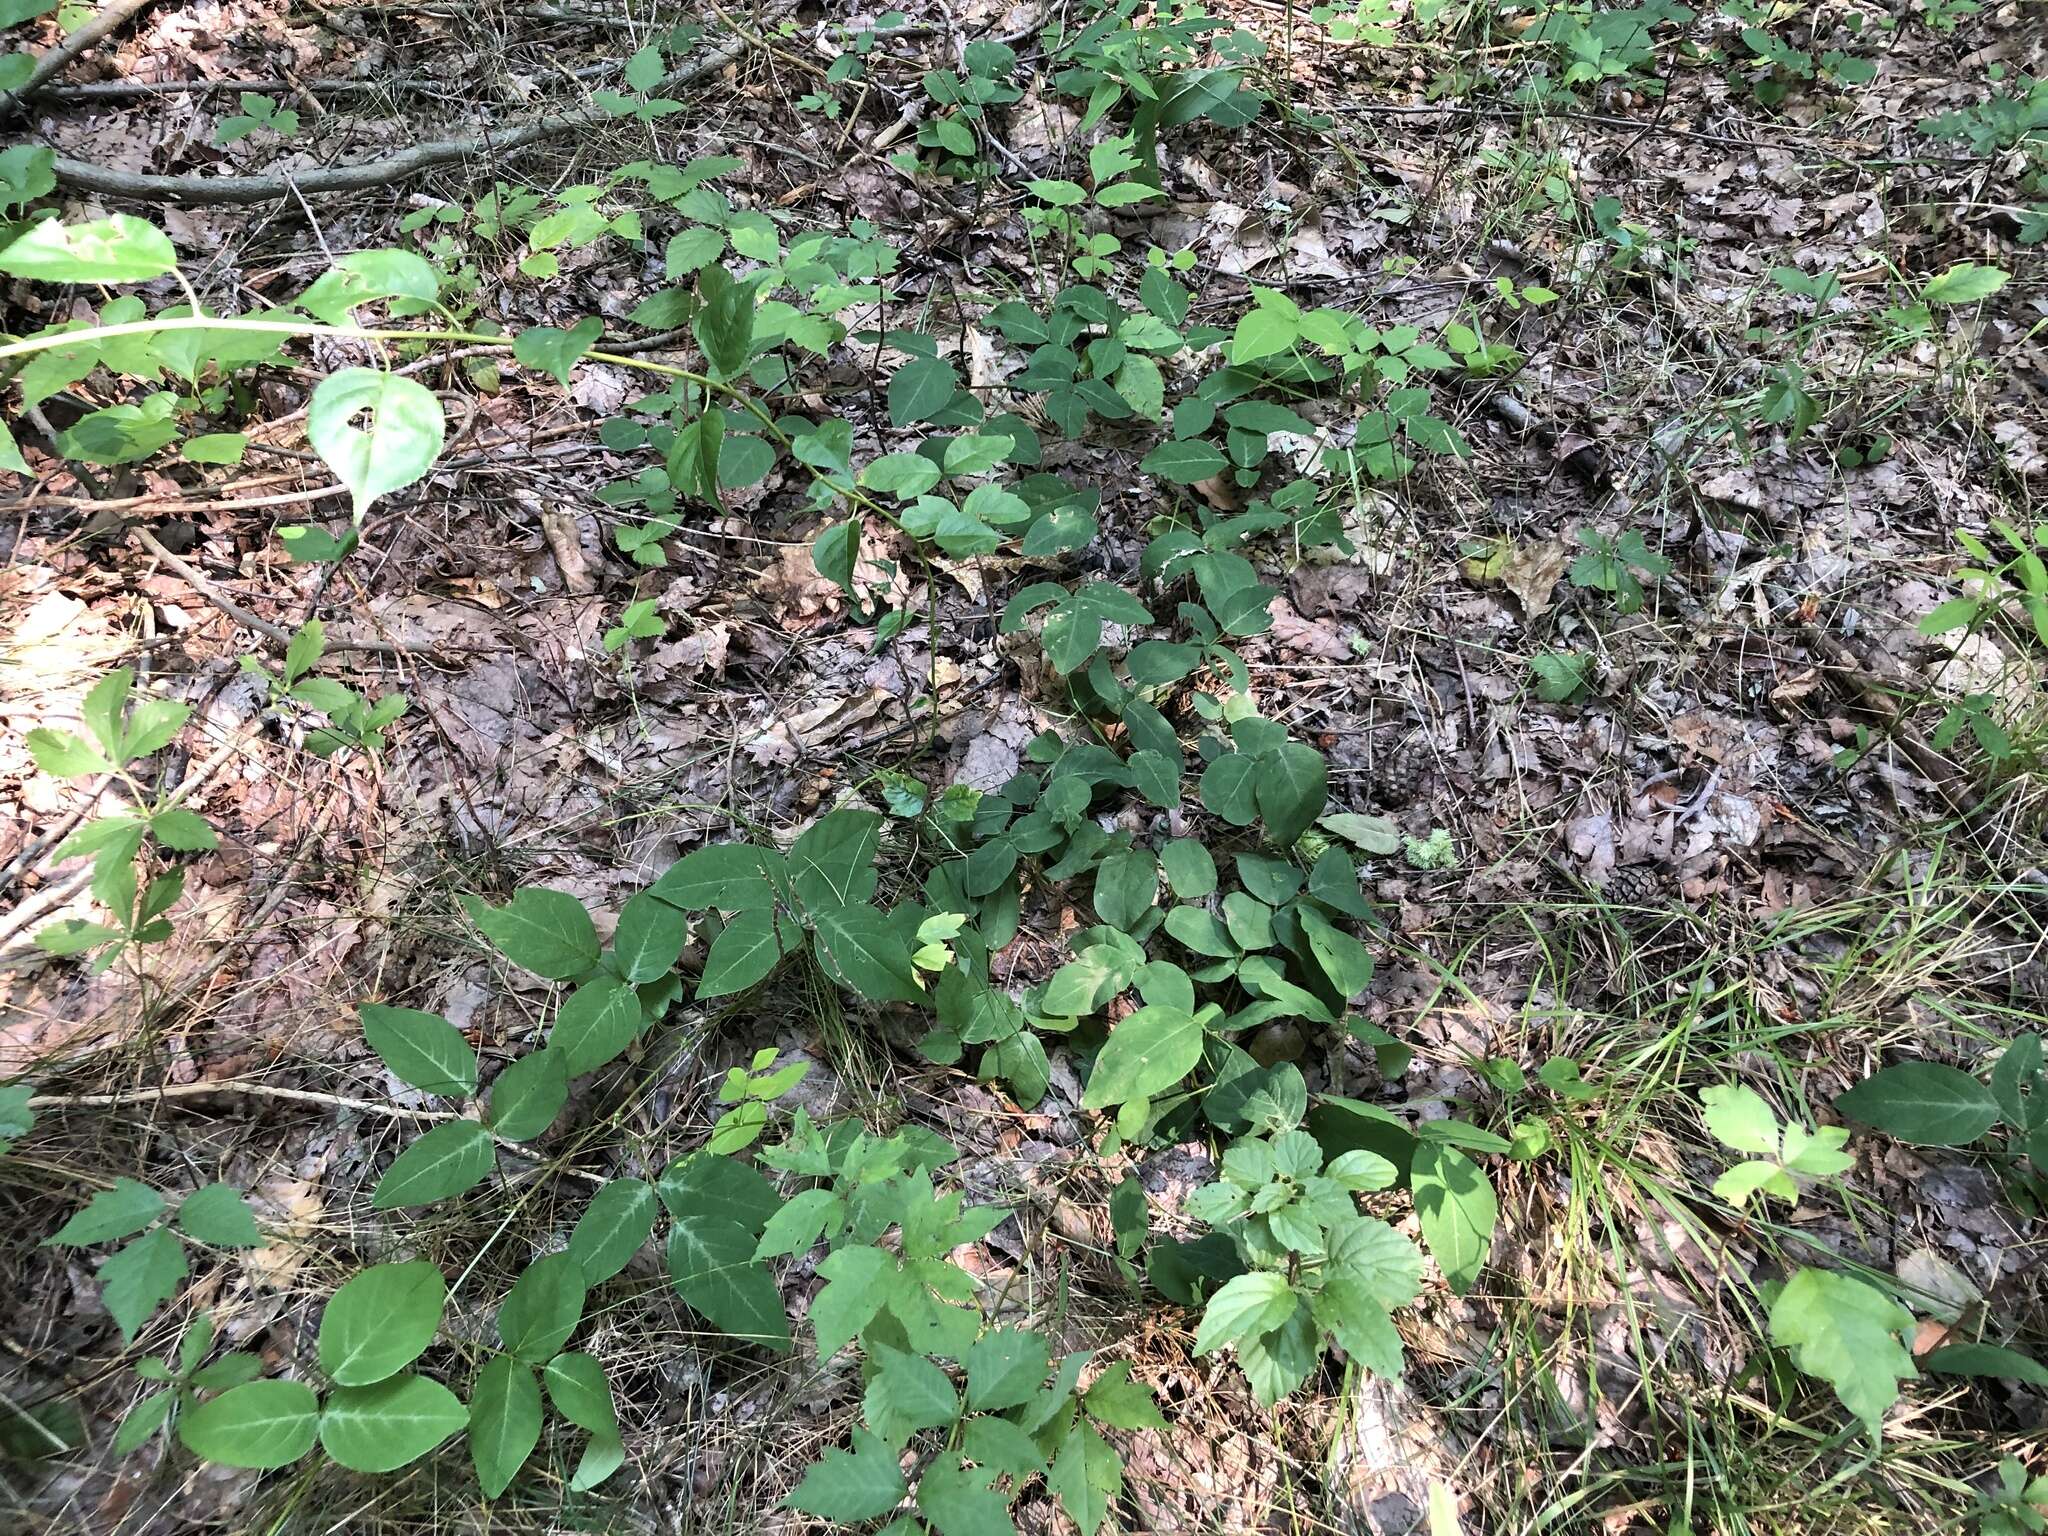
{"x":1739,"y":1118}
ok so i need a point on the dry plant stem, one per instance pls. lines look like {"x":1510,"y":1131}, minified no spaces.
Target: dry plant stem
{"x":112,"y":16}
{"x":248,"y":620}
{"x":199,"y":191}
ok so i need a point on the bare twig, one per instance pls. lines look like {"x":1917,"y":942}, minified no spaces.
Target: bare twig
{"x":198,"y":191}
{"x":112,"y":16}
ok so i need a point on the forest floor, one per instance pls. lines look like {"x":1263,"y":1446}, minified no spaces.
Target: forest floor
{"x":1729,"y":850}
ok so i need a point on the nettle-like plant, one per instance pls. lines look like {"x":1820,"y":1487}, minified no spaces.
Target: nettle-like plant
{"x":1310,"y":1266}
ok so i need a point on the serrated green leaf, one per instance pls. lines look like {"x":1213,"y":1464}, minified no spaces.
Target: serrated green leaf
{"x":140,"y":1278}
{"x":218,"y":1214}
{"x":848,"y":1488}
{"x":126,"y":1208}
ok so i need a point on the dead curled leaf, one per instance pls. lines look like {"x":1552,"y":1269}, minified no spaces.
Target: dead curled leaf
{"x":1307,"y":637}
{"x":1531,"y":572}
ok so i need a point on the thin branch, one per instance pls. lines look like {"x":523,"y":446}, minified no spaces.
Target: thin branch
{"x":197,"y":191}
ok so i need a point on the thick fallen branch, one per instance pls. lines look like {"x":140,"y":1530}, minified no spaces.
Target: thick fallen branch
{"x":197,"y":191}
{"x":112,"y":16}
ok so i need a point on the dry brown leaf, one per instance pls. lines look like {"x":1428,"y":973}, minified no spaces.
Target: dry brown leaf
{"x":1308,"y":637}
{"x":1531,"y":572}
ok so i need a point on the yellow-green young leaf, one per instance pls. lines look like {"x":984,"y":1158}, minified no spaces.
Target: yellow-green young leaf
{"x":260,"y":1424}
{"x":1737,"y":1117}
{"x":121,"y":249}
{"x":10,"y":453}
{"x":379,"y":1322}
{"x":504,"y":1422}
{"x":1849,"y":1335}
{"x":399,"y":443}
{"x":383,"y":1427}
{"x":850,"y":1488}
{"x":446,"y":1161}
{"x":1965,"y":283}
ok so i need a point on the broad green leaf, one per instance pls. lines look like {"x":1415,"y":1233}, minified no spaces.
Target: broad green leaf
{"x":728,"y":876}
{"x":1121,"y":1403}
{"x":803,"y":1218}
{"x":746,"y":950}
{"x":1291,"y":787}
{"x":543,"y":1308}
{"x":848,"y":1488}
{"x":706,"y":1184}
{"x":1147,"y":1053}
{"x":1184,"y":461}
{"x":1368,"y":834}
{"x":649,"y":938}
{"x":526,"y":1096}
{"x":380,"y":1321}
{"x":1849,"y":1335}
{"x":260,"y":1425}
{"x":920,"y":390}
{"x":383,"y":1427}
{"x":902,"y":475}
{"x":724,"y":325}
{"x":214,"y":448}
{"x":577,"y":1387}
{"x":422,"y":1049}
{"x":1343,"y":959}
{"x":711,"y":1261}
{"x":504,"y":1422}
{"x":1005,"y":1367}
{"x":861,"y":950}
{"x":63,"y":755}
{"x":143,"y":1420}
{"x":363,"y":277}
{"x":1987,"y":1360}
{"x":1245,"y":1307}
{"x":140,"y":1278}
{"x":400,"y":443}
{"x":1923,"y":1104}
{"x":594,"y":1024}
{"x":557,"y":352}
{"x":1189,"y":868}
{"x":120,"y":249}
{"x":543,"y":931}
{"x":128,"y":1207}
{"x":1457,"y":1209}
{"x":218,"y":1214}
{"x":1229,"y":788}
{"x":1126,"y":886}
{"x":446,"y":1161}
{"x":1262,"y":332}
{"x":613,"y":1227}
